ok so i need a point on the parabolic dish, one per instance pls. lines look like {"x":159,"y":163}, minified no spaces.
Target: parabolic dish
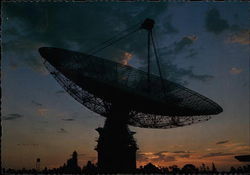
{"x":97,"y":83}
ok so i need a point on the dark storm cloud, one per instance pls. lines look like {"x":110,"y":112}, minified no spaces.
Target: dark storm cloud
{"x":68,"y":119}
{"x":214,"y":23}
{"x":216,"y":154}
{"x":12,"y":116}
{"x":62,"y":131}
{"x":49,"y":25}
{"x":109,"y":16}
{"x":36,"y":103}
{"x":222,"y":142}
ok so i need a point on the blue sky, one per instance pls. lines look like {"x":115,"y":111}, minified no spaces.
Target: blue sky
{"x":204,"y":46}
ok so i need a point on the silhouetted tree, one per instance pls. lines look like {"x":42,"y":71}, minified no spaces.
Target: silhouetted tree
{"x":150,"y":168}
{"x":90,"y":168}
{"x":203,"y":168}
{"x":239,"y":170}
{"x":232,"y":170}
{"x":214,"y":170}
{"x":189,"y":168}
{"x":174,"y":169}
{"x":164,"y":170}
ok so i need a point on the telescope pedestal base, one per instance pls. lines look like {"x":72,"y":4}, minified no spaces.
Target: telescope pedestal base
{"x":116,"y":149}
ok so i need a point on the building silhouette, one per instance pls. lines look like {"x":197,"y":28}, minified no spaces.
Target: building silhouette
{"x":72,"y":164}
{"x":150,"y":168}
{"x":38,"y":164}
{"x":90,"y":168}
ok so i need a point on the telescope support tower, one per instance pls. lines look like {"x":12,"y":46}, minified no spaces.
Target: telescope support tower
{"x":116,"y":146}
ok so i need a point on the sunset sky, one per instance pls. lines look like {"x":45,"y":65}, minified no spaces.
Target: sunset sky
{"x":203,"y":46}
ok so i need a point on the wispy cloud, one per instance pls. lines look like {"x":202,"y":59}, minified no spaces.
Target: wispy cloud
{"x":42,"y":111}
{"x":190,"y":74}
{"x":240,"y":37}
{"x":36,"y":103}
{"x":12,"y":116}
{"x":179,"y":152}
{"x":141,"y":157}
{"x":62,"y":131}
{"x":163,"y":156}
{"x":217,"y":154}
{"x":236,"y":147}
{"x":68,"y":119}
{"x":184,"y":155}
{"x":28,"y":144}
{"x":183,"y":43}
{"x":235,"y":71}
{"x":222,"y":142}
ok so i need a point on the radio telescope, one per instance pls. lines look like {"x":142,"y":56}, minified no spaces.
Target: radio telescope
{"x":125,"y":96}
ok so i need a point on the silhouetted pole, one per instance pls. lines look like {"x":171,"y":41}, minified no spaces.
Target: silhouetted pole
{"x":149,"y":60}
{"x":38,"y":164}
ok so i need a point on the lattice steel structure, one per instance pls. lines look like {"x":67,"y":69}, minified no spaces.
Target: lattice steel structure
{"x":91,"y":86}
